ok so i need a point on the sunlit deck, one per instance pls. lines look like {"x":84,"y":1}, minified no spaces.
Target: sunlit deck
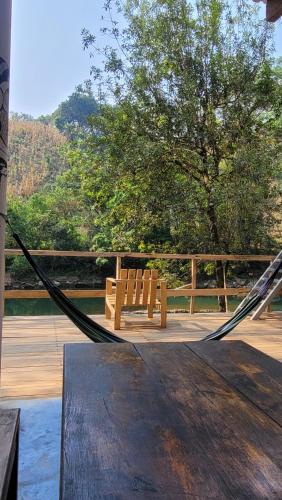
{"x":33,"y":346}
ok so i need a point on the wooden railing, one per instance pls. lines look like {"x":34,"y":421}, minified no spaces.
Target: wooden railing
{"x":138,"y":255}
{"x":191,"y":292}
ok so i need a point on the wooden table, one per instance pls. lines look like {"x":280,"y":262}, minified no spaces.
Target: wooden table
{"x":198,"y":420}
{"x":9,"y":446}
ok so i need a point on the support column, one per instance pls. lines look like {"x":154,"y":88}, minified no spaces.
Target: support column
{"x":5,"y":44}
{"x":193,"y":283}
{"x":118,"y":267}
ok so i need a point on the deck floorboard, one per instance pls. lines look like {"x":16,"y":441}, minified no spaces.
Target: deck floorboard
{"x":33,"y":345}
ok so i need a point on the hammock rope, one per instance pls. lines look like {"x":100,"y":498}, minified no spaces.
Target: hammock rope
{"x":98,"y":333}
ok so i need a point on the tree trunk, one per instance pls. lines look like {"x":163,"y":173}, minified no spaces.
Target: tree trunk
{"x":219,"y":272}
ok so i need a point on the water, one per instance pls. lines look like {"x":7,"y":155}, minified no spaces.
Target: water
{"x":46,"y":307}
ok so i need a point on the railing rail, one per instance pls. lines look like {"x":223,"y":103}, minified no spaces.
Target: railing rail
{"x":191,"y":292}
{"x":138,"y":255}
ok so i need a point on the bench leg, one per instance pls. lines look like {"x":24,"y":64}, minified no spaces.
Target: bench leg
{"x":108,"y":313}
{"x":163,"y":318}
{"x":117,"y":319}
{"x":150,"y":312}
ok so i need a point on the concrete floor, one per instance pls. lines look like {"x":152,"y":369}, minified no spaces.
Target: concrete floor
{"x":39,"y":454}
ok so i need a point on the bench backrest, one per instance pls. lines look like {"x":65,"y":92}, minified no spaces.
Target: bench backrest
{"x":137,"y":287}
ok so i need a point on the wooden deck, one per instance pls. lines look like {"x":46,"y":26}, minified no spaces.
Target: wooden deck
{"x":33,"y":346}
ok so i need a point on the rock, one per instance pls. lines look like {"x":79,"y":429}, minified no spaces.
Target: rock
{"x":240,"y":281}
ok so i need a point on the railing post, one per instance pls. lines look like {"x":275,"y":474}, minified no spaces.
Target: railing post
{"x":225,"y":286}
{"x":118,"y":267}
{"x":5,"y":44}
{"x":193,"y":283}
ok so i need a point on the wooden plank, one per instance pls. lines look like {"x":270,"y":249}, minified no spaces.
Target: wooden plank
{"x":132,"y":446}
{"x":130,"y":286}
{"x":145,"y":286}
{"x":206,"y":292}
{"x":152,"y":299}
{"x":159,"y":423}
{"x":123,"y":274}
{"x":118,"y":267}
{"x":193,"y":284}
{"x":9,"y":431}
{"x":233,"y":432}
{"x":42,"y":294}
{"x":257,"y":376}
{"x":53,"y":331}
{"x":138,"y":286}
{"x":136,"y":255}
{"x":173,"y":292}
{"x":163,"y":302}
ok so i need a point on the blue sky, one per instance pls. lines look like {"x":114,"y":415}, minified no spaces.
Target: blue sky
{"x":47,"y":59}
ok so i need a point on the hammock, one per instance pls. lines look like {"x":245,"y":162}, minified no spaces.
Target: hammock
{"x":98,"y":333}
{"x":242,"y":313}
{"x":93,"y":330}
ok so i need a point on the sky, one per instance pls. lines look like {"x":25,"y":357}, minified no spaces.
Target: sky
{"x":47,"y":58}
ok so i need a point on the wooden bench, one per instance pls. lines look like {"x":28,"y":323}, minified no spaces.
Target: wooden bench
{"x":135,"y":288}
{"x":9,"y":446}
{"x":186,"y":420}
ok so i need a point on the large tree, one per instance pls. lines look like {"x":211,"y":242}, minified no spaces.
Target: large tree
{"x":187,"y":153}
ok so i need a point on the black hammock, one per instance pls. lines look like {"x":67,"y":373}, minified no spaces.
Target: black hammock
{"x":93,"y":330}
{"x":98,"y":333}
{"x":251,"y":304}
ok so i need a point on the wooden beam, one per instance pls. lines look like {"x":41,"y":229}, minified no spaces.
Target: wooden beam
{"x":42,"y":294}
{"x":118,"y":267}
{"x":273,"y":10}
{"x":5,"y":47}
{"x":193,"y":283}
{"x":206,"y":292}
{"x":138,"y":255}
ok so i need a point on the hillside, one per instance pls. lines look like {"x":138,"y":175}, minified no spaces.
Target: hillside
{"x":35,"y":156}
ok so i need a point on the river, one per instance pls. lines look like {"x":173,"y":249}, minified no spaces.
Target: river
{"x":45,"y":307}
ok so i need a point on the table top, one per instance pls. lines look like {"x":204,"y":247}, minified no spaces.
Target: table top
{"x":171,"y":421}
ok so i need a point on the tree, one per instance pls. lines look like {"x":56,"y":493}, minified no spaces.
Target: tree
{"x":187,"y":155}
{"x":75,"y":111}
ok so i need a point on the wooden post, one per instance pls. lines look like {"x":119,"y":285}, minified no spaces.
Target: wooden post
{"x":225,"y":286}
{"x":193,"y":283}
{"x":273,"y":10}
{"x":5,"y":44}
{"x":118,"y":267}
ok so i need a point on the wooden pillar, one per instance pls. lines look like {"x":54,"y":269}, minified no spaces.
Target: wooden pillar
{"x":273,"y":10}
{"x":5,"y":44}
{"x":193,"y":283}
{"x":118,"y":267}
{"x":225,"y":286}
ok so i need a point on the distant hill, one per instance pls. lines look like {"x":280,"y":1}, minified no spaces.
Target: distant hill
{"x":35,"y":144}
{"x":35,"y":157}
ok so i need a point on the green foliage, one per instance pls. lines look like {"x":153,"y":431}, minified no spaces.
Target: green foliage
{"x":187,"y":157}
{"x":72,"y":115}
{"x":46,"y":221}
{"x":184,"y":153}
